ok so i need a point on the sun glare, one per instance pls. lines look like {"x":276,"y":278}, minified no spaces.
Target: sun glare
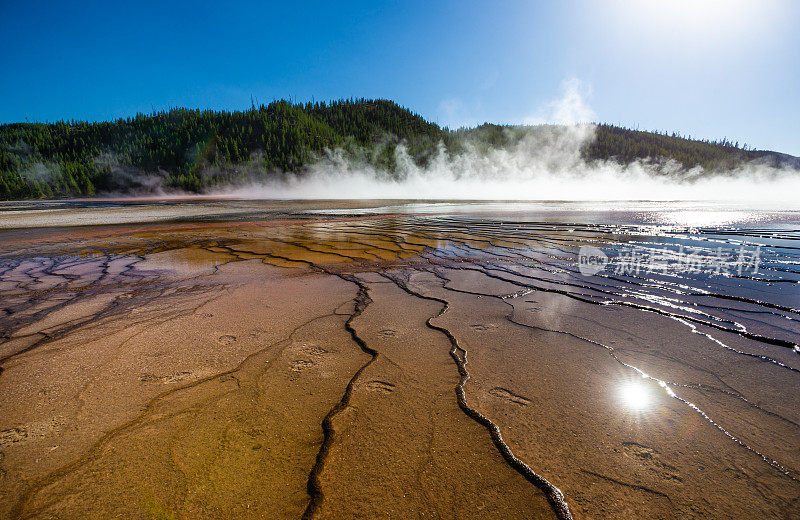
{"x":635,"y":395}
{"x":699,"y":22}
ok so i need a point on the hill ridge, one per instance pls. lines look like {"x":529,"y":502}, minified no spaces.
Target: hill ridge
{"x":193,"y":149}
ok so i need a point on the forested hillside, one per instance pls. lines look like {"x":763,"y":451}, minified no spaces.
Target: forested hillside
{"x":194,"y":150}
{"x":626,"y":145}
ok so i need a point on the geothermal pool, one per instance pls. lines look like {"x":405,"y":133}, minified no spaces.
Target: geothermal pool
{"x":388,"y":359}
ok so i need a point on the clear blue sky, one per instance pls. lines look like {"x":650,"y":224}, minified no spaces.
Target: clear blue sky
{"x":703,"y":67}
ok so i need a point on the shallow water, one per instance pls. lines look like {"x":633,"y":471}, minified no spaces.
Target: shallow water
{"x":660,"y":383}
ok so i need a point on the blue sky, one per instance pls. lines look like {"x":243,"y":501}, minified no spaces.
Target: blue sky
{"x":702,"y":67}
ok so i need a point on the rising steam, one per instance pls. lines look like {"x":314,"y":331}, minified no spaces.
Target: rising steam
{"x":529,"y":171}
{"x":543,"y":163}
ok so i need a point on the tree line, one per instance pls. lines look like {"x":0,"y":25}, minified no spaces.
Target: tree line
{"x":194,"y":150}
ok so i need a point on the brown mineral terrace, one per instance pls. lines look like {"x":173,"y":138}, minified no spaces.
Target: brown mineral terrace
{"x":367,"y":360}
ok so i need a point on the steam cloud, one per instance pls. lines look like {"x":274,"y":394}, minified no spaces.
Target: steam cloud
{"x":543,"y":163}
{"x":546,"y":164}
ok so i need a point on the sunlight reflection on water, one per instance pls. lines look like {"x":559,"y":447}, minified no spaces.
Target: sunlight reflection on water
{"x":635,"y":395}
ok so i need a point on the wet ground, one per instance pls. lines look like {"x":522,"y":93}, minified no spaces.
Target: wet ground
{"x":226,"y":359}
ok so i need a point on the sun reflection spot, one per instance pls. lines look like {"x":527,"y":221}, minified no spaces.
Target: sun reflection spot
{"x":635,"y":395}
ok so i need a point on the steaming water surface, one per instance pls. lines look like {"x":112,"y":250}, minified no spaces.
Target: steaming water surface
{"x":659,"y":381}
